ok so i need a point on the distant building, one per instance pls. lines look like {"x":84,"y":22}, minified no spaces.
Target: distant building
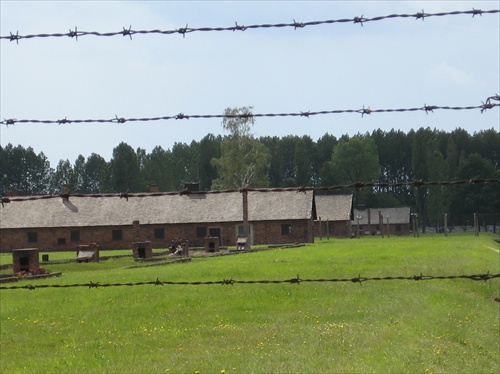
{"x":334,"y":213}
{"x":396,"y":221}
{"x":65,"y":222}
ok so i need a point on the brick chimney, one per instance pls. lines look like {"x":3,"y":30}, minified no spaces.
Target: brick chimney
{"x":65,"y":192}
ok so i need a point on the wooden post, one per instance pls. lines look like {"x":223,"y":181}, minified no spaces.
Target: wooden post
{"x":445,"y":221}
{"x":246,"y":229}
{"x":327,"y":229}
{"x":387,"y":226}
{"x":476,"y":225}
{"x":381,"y":223}
{"x":320,"y":230}
{"x":415,"y":225}
{"x":357,"y":226}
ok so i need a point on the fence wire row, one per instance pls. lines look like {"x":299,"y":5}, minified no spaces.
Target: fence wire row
{"x":359,"y":279}
{"x":357,"y":185}
{"x":488,"y":104}
{"x":296,"y":25}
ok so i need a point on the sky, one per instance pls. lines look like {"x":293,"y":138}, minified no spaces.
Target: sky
{"x":394,"y":63}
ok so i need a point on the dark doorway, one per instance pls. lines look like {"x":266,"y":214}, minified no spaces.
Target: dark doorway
{"x":24,"y":263}
{"x":141,"y":252}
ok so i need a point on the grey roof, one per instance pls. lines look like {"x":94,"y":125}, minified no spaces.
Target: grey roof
{"x":171,"y":209}
{"x":396,"y":215}
{"x":333,"y":207}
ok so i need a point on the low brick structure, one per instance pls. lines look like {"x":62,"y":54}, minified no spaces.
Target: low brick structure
{"x":212,"y":244}
{"x":25,"y":259}
{"x":88,"y":253}
{"x":142,"y":249}
{"x":179,"y":247}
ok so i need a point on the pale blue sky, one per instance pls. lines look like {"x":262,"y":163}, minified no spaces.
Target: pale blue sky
{"x":398,"y":63}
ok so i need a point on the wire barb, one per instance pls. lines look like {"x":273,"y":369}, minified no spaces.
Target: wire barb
{"x":63,"y":121}
{"x":420,"y":15}
{"x":183,"y":31}
{"x":359,"y":20}
{"x":297,"y":24}
{"x":119,"y":120}
{"x":15,"y":37}
{"x":128,"y":32}
{"x":238,"y":27}
{"x":475,"y":12}
{"x":93,"y":285}
{"x":73,"y":34}
{"x":227,"y":281}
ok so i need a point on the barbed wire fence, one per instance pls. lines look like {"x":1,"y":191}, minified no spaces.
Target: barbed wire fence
{"x":356,"y":185}
{"x":359,"y":279}
{"x":295,"y":25}
{"x":489,"y":103}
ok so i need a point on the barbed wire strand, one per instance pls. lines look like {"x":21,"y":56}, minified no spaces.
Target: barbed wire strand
{"x":296,"y":25}
{"x":359,"y":279}
{"x":356,"y":185}
{"x":486,"y":105}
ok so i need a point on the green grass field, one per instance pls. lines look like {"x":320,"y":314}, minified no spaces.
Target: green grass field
{"x":434,"y":326}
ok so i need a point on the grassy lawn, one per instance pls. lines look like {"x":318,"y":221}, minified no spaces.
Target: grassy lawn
{"x":439,"y":326}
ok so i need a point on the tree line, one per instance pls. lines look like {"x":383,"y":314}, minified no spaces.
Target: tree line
{"x":240,"y":160}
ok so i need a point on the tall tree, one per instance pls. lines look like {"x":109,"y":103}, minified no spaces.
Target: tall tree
{"x":63,"y":175}
{"x":303,"y":161}
{"x":356,"y":160}
{"x":275,"y":171}
{"x":322,"y":154}
{"x":209,"y":148}
{"x":25,"y":171}
{"x":157,"y":169}
{"x":481,"y":198}
{"x":78,"y":179}
{"x":244,"y":160}
{"x":184,"y":164}
{"x":437,"y":196}
{"x":394,"y":148}
{"x":289,"y":166}
{"x":96,"y":177}
{"x":420,"y":162}
{"x":125,"y":169}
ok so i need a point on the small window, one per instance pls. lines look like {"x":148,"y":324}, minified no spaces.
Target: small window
{"x":117,"y":234}
{"x":214,"y":232}
{"x":286,"y":229}
{"x":75,"y":236}
{"x":201,"y":232}
{"x":398,"y":227}
{"x":61,"y":241}
{"x":159,"y":233}
{"x":330,"y":227}
{"x":32,"y":237}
